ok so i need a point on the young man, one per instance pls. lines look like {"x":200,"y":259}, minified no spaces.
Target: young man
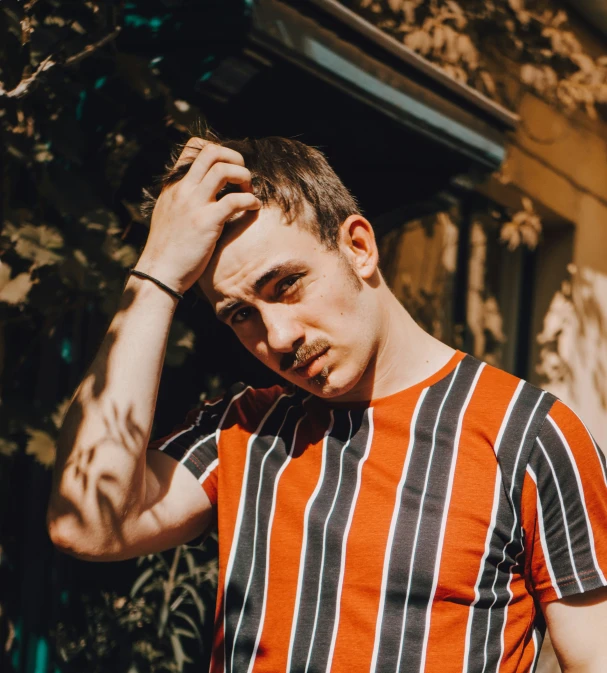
{"x":396,"y":506}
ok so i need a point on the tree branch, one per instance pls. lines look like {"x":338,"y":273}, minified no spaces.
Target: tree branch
{"x":23,"y":86}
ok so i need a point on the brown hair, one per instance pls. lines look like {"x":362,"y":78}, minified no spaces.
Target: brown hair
{"x":286,"y":173}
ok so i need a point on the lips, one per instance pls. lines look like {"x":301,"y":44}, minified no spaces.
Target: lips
{"x":312,"y":366}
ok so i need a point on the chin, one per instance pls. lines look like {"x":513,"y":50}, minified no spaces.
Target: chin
{"x":329,"y":386}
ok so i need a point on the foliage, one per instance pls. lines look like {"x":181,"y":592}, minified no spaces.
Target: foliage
{"x":92,"y":98}
{"x":71,"y":113}
{"x":525,"y":227}
{"x":573,"y":343}
{"x":148,"y":630}
{"x":473,"y":40}
{"x":467,"y":38}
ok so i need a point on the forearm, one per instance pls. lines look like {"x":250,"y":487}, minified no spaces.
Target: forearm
{"x":99,"y":476}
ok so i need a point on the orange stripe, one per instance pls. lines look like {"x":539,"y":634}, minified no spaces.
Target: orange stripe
{"x":591,"y":474}
{"x":242,"y":420}
{"x":468,"y":519}
{"x":518,"y":635}
{"x":296,"y":485}
{"x":369,"y":533}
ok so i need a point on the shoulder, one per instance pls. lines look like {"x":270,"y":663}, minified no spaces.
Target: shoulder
{"x":503,"y":400}
{"x":246,"y":406}
{"x":549,"y":421}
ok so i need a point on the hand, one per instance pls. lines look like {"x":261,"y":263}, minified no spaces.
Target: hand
{"x":188,"y":219}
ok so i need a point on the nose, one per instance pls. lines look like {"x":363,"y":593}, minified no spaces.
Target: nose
{"x":284,"y":332}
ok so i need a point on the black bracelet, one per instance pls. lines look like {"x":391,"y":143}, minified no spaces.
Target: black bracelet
{"x":160,"y":284}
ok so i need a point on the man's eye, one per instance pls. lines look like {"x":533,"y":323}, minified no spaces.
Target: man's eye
{"x":241,"y":315}
{"x":287,"y":283}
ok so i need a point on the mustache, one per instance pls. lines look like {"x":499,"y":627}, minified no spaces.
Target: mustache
{"x":303,"y":354}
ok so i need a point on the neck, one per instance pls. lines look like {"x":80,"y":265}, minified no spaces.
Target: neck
{"x":405,"y":353}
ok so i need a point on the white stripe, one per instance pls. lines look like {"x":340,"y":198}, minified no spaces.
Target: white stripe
{"x":558,"y":490}
{"x":215,"y":434}
{"x":582,"y":498}
{"x":324,"y":542}
{"x":543,"y":535}
{"x":304,"y":544}
{"x":477,"y":594}
{"x":241,"y":506}
{"x":174,"y":437}
{"x":197,"y":421}
{"x":208,"y":471}
{"x":395,"y":512}
{"x":256,"y":529}
{"x":513,"y":401}
{"x":511,"y":595}
{"x":194,"y":446}
{"x":536,"y":653}
{"x":514,"y":526}
{"x":225,"y":413}
{"x":439,"y":554}
{"x":420,"y":516}
{"x":496,"y":492}
{"x":345,"y":539}
{"x":269,"y":535}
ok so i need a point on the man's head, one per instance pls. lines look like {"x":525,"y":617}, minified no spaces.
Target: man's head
{"x":297,"y":280}
{"x":286,"y":173}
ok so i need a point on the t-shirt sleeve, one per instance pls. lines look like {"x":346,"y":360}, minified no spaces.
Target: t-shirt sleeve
{"x":194,"y":443}
{"x":564,"y":509}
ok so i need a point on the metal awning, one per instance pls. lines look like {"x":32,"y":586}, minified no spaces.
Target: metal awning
{"x":594,"y":11}
{"x":326,"y":38}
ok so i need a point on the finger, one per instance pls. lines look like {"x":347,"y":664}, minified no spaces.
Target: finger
{"x":207,"y":157}
{"x":190,"y":151}
{"x":236,"y":202}
{"x":219,"y":175}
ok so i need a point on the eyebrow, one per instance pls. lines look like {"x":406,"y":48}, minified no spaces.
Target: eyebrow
{"x":268,"y":276}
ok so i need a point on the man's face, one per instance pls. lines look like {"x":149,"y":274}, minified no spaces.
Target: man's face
{"x":299,"y":308}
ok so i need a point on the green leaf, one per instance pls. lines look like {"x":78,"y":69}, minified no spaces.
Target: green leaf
{"x":192,"y":623}
{"x":7,"y":448}
{"x":180,"y":345}
{"x":180,"y":657}
{"x":14,"y":290}
{"x":36,"y":243}
{"x":42,"y":446}
{"x":141,"y":580}
{"x":163,"y":619}
{"x":195,"y":598}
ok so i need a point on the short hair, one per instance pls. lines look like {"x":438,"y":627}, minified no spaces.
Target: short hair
{"x":284,"y":172}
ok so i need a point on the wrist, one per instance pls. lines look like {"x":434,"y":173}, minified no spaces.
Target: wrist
{"x":147,"y":291}
{"x":158,"y":283}
{"x":161,"y":273}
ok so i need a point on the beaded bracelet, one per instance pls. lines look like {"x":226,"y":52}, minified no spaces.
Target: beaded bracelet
{"x":160,"y":284}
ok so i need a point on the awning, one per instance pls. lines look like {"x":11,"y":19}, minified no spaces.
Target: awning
{"x":334,"y":43}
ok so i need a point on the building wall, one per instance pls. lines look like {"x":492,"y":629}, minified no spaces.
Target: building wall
{"x":561,"y":163}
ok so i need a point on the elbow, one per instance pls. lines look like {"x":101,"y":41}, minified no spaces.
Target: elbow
{"x":70,"y":537}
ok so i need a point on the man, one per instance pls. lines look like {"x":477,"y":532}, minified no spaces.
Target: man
{"x":396,"y":506}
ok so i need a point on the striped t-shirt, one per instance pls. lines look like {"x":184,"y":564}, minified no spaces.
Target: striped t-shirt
{"x":417,"y":532}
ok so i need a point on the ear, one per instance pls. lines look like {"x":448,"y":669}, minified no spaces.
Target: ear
{"x":357,"y":241}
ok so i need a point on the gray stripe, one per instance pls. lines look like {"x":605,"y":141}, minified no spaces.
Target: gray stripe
{"x":346,"y":446}
{"x":201,"y":434}
{"x":417,"y":529}
{"x":245,"y":589}
{"x":566,"y":527}
{"x":427,"y":549}
{"x":506,"y":543}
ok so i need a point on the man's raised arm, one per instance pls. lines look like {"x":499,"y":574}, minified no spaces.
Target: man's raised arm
{"x":111,"y":499}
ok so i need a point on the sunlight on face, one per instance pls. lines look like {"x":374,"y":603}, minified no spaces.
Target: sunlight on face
{"x":298,"y":307}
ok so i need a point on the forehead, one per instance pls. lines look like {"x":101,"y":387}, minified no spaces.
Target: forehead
{"x":252,"y":244}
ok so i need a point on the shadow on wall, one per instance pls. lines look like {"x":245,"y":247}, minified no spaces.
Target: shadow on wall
{"x":573,"y":348}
